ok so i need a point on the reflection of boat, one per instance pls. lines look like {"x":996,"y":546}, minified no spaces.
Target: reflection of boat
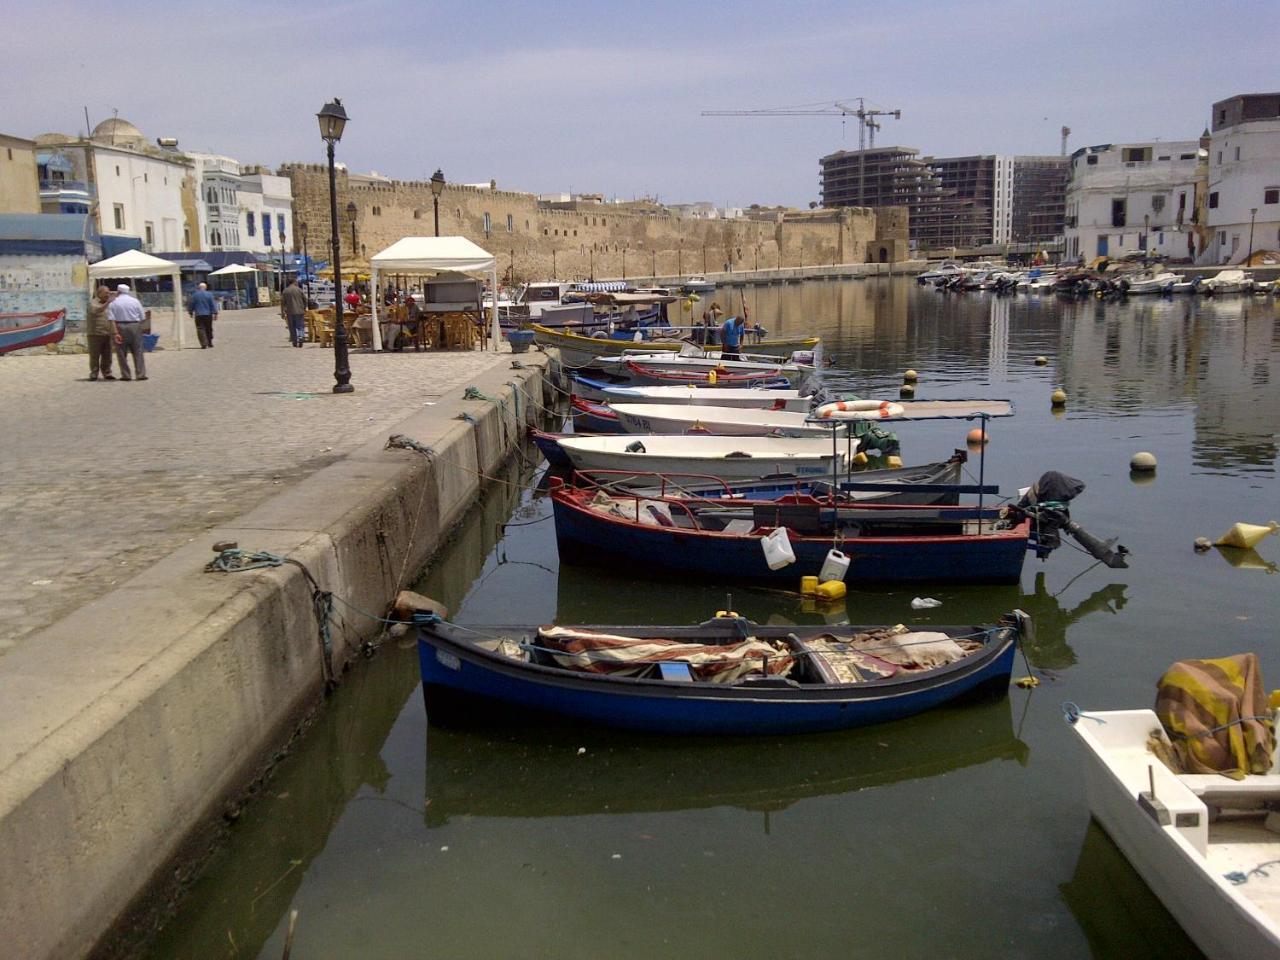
{"x":525,"y":771}
{"x":19,"y":331}
{"x":725,"y":676}
{"x":1120,"y":916}
{"x":1198,"y":840}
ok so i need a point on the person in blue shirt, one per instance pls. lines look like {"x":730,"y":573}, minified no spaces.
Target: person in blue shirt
{"x":731,"y":338}
{"x":204,"y":307}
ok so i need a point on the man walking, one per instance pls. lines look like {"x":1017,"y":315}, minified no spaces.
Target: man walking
{"x":98,"y":330}
{"x":204,"y":307}
{"x":295,"y":306}
{"x":126,"y":316}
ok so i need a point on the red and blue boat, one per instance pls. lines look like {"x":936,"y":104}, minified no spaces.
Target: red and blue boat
{"x":726,"y":676}
{"x":18,"y":331}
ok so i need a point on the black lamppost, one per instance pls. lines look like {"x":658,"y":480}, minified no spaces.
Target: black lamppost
{"x":332,"y":120}
{"x":680,"y":259}
{"x":351,"y":217}
{"x":1253,"y":215}
{"x":437,"y":188}
{"x":306,"y":260}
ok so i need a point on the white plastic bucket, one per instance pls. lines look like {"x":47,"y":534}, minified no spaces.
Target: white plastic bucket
{"x":834,"y":567}
{"x":777,"y":549}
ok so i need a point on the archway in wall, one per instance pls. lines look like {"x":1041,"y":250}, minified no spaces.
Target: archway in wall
{"x":884,"y":254}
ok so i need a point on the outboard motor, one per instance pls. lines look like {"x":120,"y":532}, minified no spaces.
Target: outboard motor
{"x":1046,"y":505}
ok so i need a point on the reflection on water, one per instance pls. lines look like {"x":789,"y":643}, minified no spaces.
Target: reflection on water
{"x":397,"y":837}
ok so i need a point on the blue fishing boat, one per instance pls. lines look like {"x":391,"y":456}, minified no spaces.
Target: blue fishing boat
{"x":726,"y":676}
{"x":18,"y":331}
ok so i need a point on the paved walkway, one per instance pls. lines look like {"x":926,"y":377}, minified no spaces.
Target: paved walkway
{"x":99,"y":480}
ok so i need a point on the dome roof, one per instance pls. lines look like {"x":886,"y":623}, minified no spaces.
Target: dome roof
{"x":116,"y":130}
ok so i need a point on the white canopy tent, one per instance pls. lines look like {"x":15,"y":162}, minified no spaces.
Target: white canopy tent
{"x":234,"y":271}
{"x":434,"y":255}
{"x":135,"y":263}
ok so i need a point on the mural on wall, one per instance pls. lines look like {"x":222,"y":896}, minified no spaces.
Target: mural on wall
{"x":30,"y":284}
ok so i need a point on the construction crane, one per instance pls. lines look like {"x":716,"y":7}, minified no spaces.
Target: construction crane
{"x":867,"y":123}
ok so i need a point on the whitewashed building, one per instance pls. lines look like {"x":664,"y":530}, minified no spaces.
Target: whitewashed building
{"x":133,"y":188}
{"x":1244,"y":177}
{"x":1128,"y":197}
{"x":242,"y":208}
{"x":266,"y":209}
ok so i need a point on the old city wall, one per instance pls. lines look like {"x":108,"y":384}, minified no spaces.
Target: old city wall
{"x":594,"y":240}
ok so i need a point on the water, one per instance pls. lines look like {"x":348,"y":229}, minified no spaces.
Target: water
{"x":961,"y":833}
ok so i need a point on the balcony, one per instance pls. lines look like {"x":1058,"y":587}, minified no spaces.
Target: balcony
{"x":71,"y":191}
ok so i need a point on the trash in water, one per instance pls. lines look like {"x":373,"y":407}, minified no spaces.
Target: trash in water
{"x":925,"y":603}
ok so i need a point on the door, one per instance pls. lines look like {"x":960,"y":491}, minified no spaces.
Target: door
{"x":1102,"y":245}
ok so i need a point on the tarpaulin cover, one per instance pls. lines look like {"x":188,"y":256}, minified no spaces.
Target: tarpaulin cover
{"x":1217,"y":716}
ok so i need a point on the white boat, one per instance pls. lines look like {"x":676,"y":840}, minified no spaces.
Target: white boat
{"x":1205,"y":868}
{"x":754,"y":398}
{"x":728,"y":458}
{"x":1227,"y":281}
{"x":1189,"y":285}
{"x":698,"y":284}
{"x":1155,"y":284}
{"x":739,"y":422}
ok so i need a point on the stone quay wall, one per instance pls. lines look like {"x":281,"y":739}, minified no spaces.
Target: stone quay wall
{"x":533,"y":241}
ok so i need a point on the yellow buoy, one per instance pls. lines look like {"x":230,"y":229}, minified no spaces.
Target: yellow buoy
{"x":1143,"y":462}
{"x":910,"y":376}
{"x":893,"y":462}
{"x":1058,"y":398}
{"x":832,"y":590}
{"x":1246,"y":535}
{"x":1042,"y":361}
{"x":977,"y":437}
{"x":808,"y":586}
{"x":860,"y":459}
{"x":907,"y":391}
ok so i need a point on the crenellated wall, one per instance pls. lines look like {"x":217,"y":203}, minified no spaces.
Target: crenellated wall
{"x":590,"y":240}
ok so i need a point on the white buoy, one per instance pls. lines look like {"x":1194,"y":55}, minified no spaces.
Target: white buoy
{"x":1058,"y":398}
{"x":910,"y":376}
{"x":1143,"y":462}
{"x":1042,"y":361}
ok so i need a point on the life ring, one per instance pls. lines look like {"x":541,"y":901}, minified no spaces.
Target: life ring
{"x":860,"y":410}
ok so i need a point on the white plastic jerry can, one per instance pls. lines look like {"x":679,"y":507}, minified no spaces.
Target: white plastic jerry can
{"x":834,"y":567}
{"x":777,"y":549}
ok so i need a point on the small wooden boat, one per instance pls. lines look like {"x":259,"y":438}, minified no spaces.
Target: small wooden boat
{"x":732,"y":421}
{"x":756,"y":398}
{"x":726,"y":676}
{"x":738,"y":458}
{"x":18,"y":331}
{"x":1200,"y":841}
{"x":886,"y":543}
{"x":579,"y":351}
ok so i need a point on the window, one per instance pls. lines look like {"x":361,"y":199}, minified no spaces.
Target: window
{"x":545,"y":232}
{"x":1165,"y":157}
{"x":1222,"y":238}
{"x":1092,"y":160}
{"x":604,"y":222}
{"x":117,"y":169}
{"x":1222,"y":115}
{"x":1119,"y":211}
{"x":186,"y":238}
{"x":1271,"y":195}
{"x":266,"y":229}
{"x":1182,"y":201}
{"x":248,"y":222}
{"x":149,"y":232}
{"x":144,"y":176}
{"x":1237,"y":153}
{"x":1135,"y":154}
{"x":417,"y":214}
{"x":1186,"y":156}
{"x":118,"y":210}
{"x":1219,"y":158}
{"x":488,"y":223}
{"x":511,"y":223}
{"x":1213,"y":200}
{"x":10,"y":151}
{"x":1157,"y":202}
{"x":280,"y":226}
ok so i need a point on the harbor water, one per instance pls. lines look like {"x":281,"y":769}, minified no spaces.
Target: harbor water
{"x":963,"y":832}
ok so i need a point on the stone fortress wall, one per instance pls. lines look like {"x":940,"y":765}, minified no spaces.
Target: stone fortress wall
{"x":535,"y":241}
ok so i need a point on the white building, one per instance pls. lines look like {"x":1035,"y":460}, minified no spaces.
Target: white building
{"x":136,"y":189}
{"x":1244,"y":177}
{"x":218,"y":184}
{"x":1127,"y":197}
{"x":242,"y":208}
{"x":268,"y":199}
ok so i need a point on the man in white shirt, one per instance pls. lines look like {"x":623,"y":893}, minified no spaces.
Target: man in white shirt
{"x":126,"y":316}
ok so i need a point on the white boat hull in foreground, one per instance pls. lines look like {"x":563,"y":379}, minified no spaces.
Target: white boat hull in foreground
{"x":729,"y":458}
{"x":1185,"y":861}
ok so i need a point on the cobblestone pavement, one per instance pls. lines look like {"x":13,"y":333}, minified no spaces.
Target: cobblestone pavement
{"x":99,"y":480}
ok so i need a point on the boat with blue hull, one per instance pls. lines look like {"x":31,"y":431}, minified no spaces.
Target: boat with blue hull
{"x":697,"y":680}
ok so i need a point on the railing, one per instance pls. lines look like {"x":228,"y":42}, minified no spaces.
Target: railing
{"x":73,"y":187}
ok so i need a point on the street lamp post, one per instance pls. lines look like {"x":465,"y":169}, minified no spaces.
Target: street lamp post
{"x":332,"y":121}
{"x":591,"y":275}
{"x":1253,"y":215}
{"x":680,"y":259}
{"x":351,"y":217}
{"x":306,"y":260}
{"x":437,"y":188}
{"x":624,"y":263}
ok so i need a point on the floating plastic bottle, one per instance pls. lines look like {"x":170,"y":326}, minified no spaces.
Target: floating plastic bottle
{"x":1246,"y":535}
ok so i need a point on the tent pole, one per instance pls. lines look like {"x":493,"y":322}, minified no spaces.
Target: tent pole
{"x":373,"y":300}
{"x":177,"y":308}
{"x":494,"y":329}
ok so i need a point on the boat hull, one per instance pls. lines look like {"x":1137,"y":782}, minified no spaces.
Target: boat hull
{"x":813,"y":464}
{"x":22,"y":331}
{"x":586,"y":535}
{"x":580,"y":351}
{"x":706,"y":709}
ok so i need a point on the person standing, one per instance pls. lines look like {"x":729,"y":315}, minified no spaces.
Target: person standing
{"x":294,"y":302}
{"x":126,"y":316}
{"x":98,"y":330}
{"x":204,"y":307}
{"x":731,"y":338}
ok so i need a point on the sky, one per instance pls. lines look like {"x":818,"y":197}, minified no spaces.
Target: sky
{"x":605,"y":97}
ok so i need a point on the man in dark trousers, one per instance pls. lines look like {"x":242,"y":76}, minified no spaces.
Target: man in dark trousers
{"x":99,"y":332}
{"x":204,"y":307}
{"x":294,"y":302}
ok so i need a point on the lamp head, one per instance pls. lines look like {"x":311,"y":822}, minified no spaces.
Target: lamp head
{"x":351,"y":211}
{"x":332,"y":121}
{"x":437,"y":183}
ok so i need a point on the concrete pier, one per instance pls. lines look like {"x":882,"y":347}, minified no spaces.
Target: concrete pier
{"x":137,"y":707}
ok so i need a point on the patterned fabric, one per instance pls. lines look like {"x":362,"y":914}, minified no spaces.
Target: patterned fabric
{"x":631,"y":656}
{"x":1216,"y":714}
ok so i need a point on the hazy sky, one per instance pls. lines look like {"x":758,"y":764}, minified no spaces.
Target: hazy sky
{"x":605,"y":96}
